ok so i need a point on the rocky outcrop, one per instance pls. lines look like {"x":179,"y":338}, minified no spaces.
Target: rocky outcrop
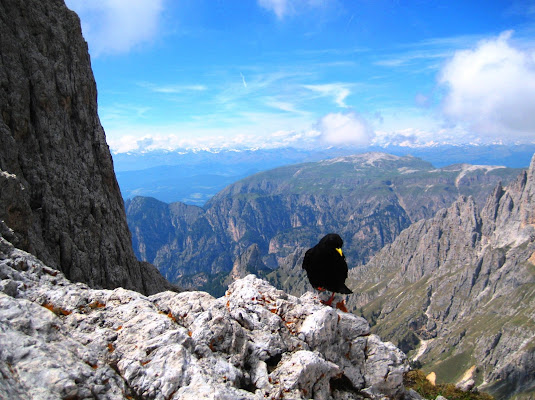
{"x":58,"y":191}
{"x":459,"y":290}
{"x":65,"y":340}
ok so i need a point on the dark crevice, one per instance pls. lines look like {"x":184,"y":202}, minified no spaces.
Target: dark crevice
{"x":343,"y":384}
{"x":272,"y":362}
{"x":247,"y":385}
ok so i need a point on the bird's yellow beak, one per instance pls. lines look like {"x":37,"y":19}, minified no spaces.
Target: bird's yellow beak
{"x":340,"y":251}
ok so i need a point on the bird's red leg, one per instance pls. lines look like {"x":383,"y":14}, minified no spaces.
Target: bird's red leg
{"x":341,"y":305}
{"x":328,"y":302}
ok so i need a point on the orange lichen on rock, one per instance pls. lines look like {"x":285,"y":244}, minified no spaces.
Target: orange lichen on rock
{"x":56,"y":310}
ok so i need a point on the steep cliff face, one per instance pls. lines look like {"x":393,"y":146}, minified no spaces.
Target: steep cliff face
{"x":65,"y":340}
{"x":58,"y":191}
{"x":368,"y":198}
{"x":459,"y":289}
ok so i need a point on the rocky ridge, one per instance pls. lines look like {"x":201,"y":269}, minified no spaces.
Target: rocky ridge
{"x":58,"y":191}
{"x":459,"y":290}
{"x":65,"y":340}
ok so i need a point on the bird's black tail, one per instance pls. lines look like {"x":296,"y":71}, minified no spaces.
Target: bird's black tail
{"x":344,"y":289}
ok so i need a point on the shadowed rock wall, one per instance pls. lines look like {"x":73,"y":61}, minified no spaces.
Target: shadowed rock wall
{"x":58,"y":192}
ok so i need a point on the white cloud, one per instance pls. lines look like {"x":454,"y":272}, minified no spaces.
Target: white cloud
{"x":117,"y":26}
{"x":148,"y":142}
{"x":348,"y":128}
{"x":491,"y":89}
{"x":338,"y":92}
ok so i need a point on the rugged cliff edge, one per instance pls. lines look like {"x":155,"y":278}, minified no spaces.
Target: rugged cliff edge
{"x":64,"y":340}
{"x":58,"y":192}
{"x":459,"y":289}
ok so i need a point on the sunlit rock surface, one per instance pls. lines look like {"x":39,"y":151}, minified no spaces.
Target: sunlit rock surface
{"x":65,"y":340}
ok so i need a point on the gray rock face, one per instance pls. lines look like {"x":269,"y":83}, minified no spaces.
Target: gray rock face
{"x":250,"y":262}
{"x":65,"y":340}
{"x":58,"y":191}
{"x":461,"y":288}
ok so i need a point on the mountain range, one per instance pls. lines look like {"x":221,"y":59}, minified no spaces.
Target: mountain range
{"x":193,"y":176}
{"x":368,"y":198}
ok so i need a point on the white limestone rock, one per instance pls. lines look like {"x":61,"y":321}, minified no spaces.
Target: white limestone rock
{"x":65,"y":340}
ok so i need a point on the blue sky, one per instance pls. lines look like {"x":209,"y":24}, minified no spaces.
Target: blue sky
{"x":179,"y":74}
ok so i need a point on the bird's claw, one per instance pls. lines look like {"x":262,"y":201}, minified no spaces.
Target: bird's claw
{"x":329,"y":302}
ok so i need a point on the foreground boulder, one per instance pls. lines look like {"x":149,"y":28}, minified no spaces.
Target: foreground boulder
{"x":65,"y":340}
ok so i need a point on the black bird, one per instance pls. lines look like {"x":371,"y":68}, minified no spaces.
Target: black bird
{"x":326,"y":266}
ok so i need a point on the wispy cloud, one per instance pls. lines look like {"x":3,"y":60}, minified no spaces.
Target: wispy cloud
{"x":121,"y":112}
{"x":279,"y":7}
{"x":284,"y":8}
{"x":243,"y":80}
{"x":337,"y":91}
{"x":260,"y":89}
{"x":425,"y":51}
{"x":172,"y":89}
{"x":410,"y":58}
{"x":283,"y":106}
{"x":117,"y":26}
{"x":333,"y":51}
